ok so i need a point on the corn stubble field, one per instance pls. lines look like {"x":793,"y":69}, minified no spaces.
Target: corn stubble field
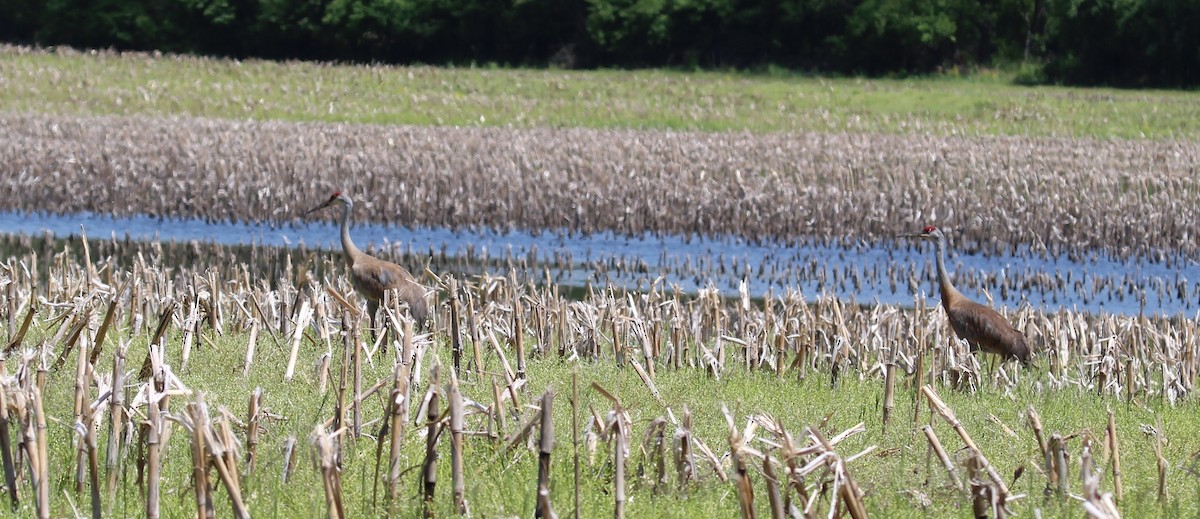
{"x":248,"y":383}
{"x":1056,"y":195}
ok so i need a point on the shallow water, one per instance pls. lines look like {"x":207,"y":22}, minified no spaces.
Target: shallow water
{"x":891,"y":273}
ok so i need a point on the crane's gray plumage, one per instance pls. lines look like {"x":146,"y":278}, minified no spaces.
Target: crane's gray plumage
{"x":980,"y":326}
{"x":371,"y":276}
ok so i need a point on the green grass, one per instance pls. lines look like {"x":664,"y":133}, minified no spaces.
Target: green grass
{"x":986,"y":103}
{"x":501,"y":483}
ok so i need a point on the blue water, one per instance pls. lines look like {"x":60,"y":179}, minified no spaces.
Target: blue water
{"x":1129,"y":286}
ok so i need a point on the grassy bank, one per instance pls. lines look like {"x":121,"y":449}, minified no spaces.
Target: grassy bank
{"x":987,"y":103}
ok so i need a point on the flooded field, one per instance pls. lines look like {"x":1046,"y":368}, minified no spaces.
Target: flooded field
{"x":891,"y":272}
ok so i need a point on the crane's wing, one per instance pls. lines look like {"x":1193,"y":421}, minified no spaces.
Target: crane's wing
{"x":386,"y":278}
{"x":984,"y":327}
{"x":376,"y":277}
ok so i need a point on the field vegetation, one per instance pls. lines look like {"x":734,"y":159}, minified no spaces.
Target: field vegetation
{"x":688,"y":404}
{"x":69,"y":82}
{"x":1051,"y":195}
{"x":1072,"y":193}
{"x":784,"y":364}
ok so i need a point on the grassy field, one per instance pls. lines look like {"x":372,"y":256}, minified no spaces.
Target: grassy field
{"x":899,"y":478}
{"x":1142,"y":369}
{"x":987,"y":103}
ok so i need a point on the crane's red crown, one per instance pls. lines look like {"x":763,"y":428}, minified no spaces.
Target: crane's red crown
{"x":928,"y":229}
{"x":335,"y":194}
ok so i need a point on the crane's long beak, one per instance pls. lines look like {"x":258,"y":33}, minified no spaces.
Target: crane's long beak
{"x":912,"y":235}
{"x":319,"y":207}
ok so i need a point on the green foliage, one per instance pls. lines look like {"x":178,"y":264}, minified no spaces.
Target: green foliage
{"x":1117,"y":42}
{"x":1144,"y":43}
{"x":21,"y":19}
{"x":1030,"y":74}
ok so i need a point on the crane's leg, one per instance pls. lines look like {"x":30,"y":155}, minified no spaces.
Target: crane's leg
{"x":372,"y":308}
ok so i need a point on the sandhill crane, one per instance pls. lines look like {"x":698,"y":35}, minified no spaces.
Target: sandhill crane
{"x":372,"y":276}
{"x":980,"y":326}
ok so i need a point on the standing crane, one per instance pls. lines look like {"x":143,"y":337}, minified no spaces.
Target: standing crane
{"x":980,"y":326}
{"x":372,"y":276}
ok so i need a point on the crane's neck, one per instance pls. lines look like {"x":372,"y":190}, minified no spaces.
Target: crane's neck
{"x":949,"y":293}
{"x":351,"y":251}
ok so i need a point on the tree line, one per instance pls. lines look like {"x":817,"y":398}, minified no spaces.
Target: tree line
{"x":1087,"y":42}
